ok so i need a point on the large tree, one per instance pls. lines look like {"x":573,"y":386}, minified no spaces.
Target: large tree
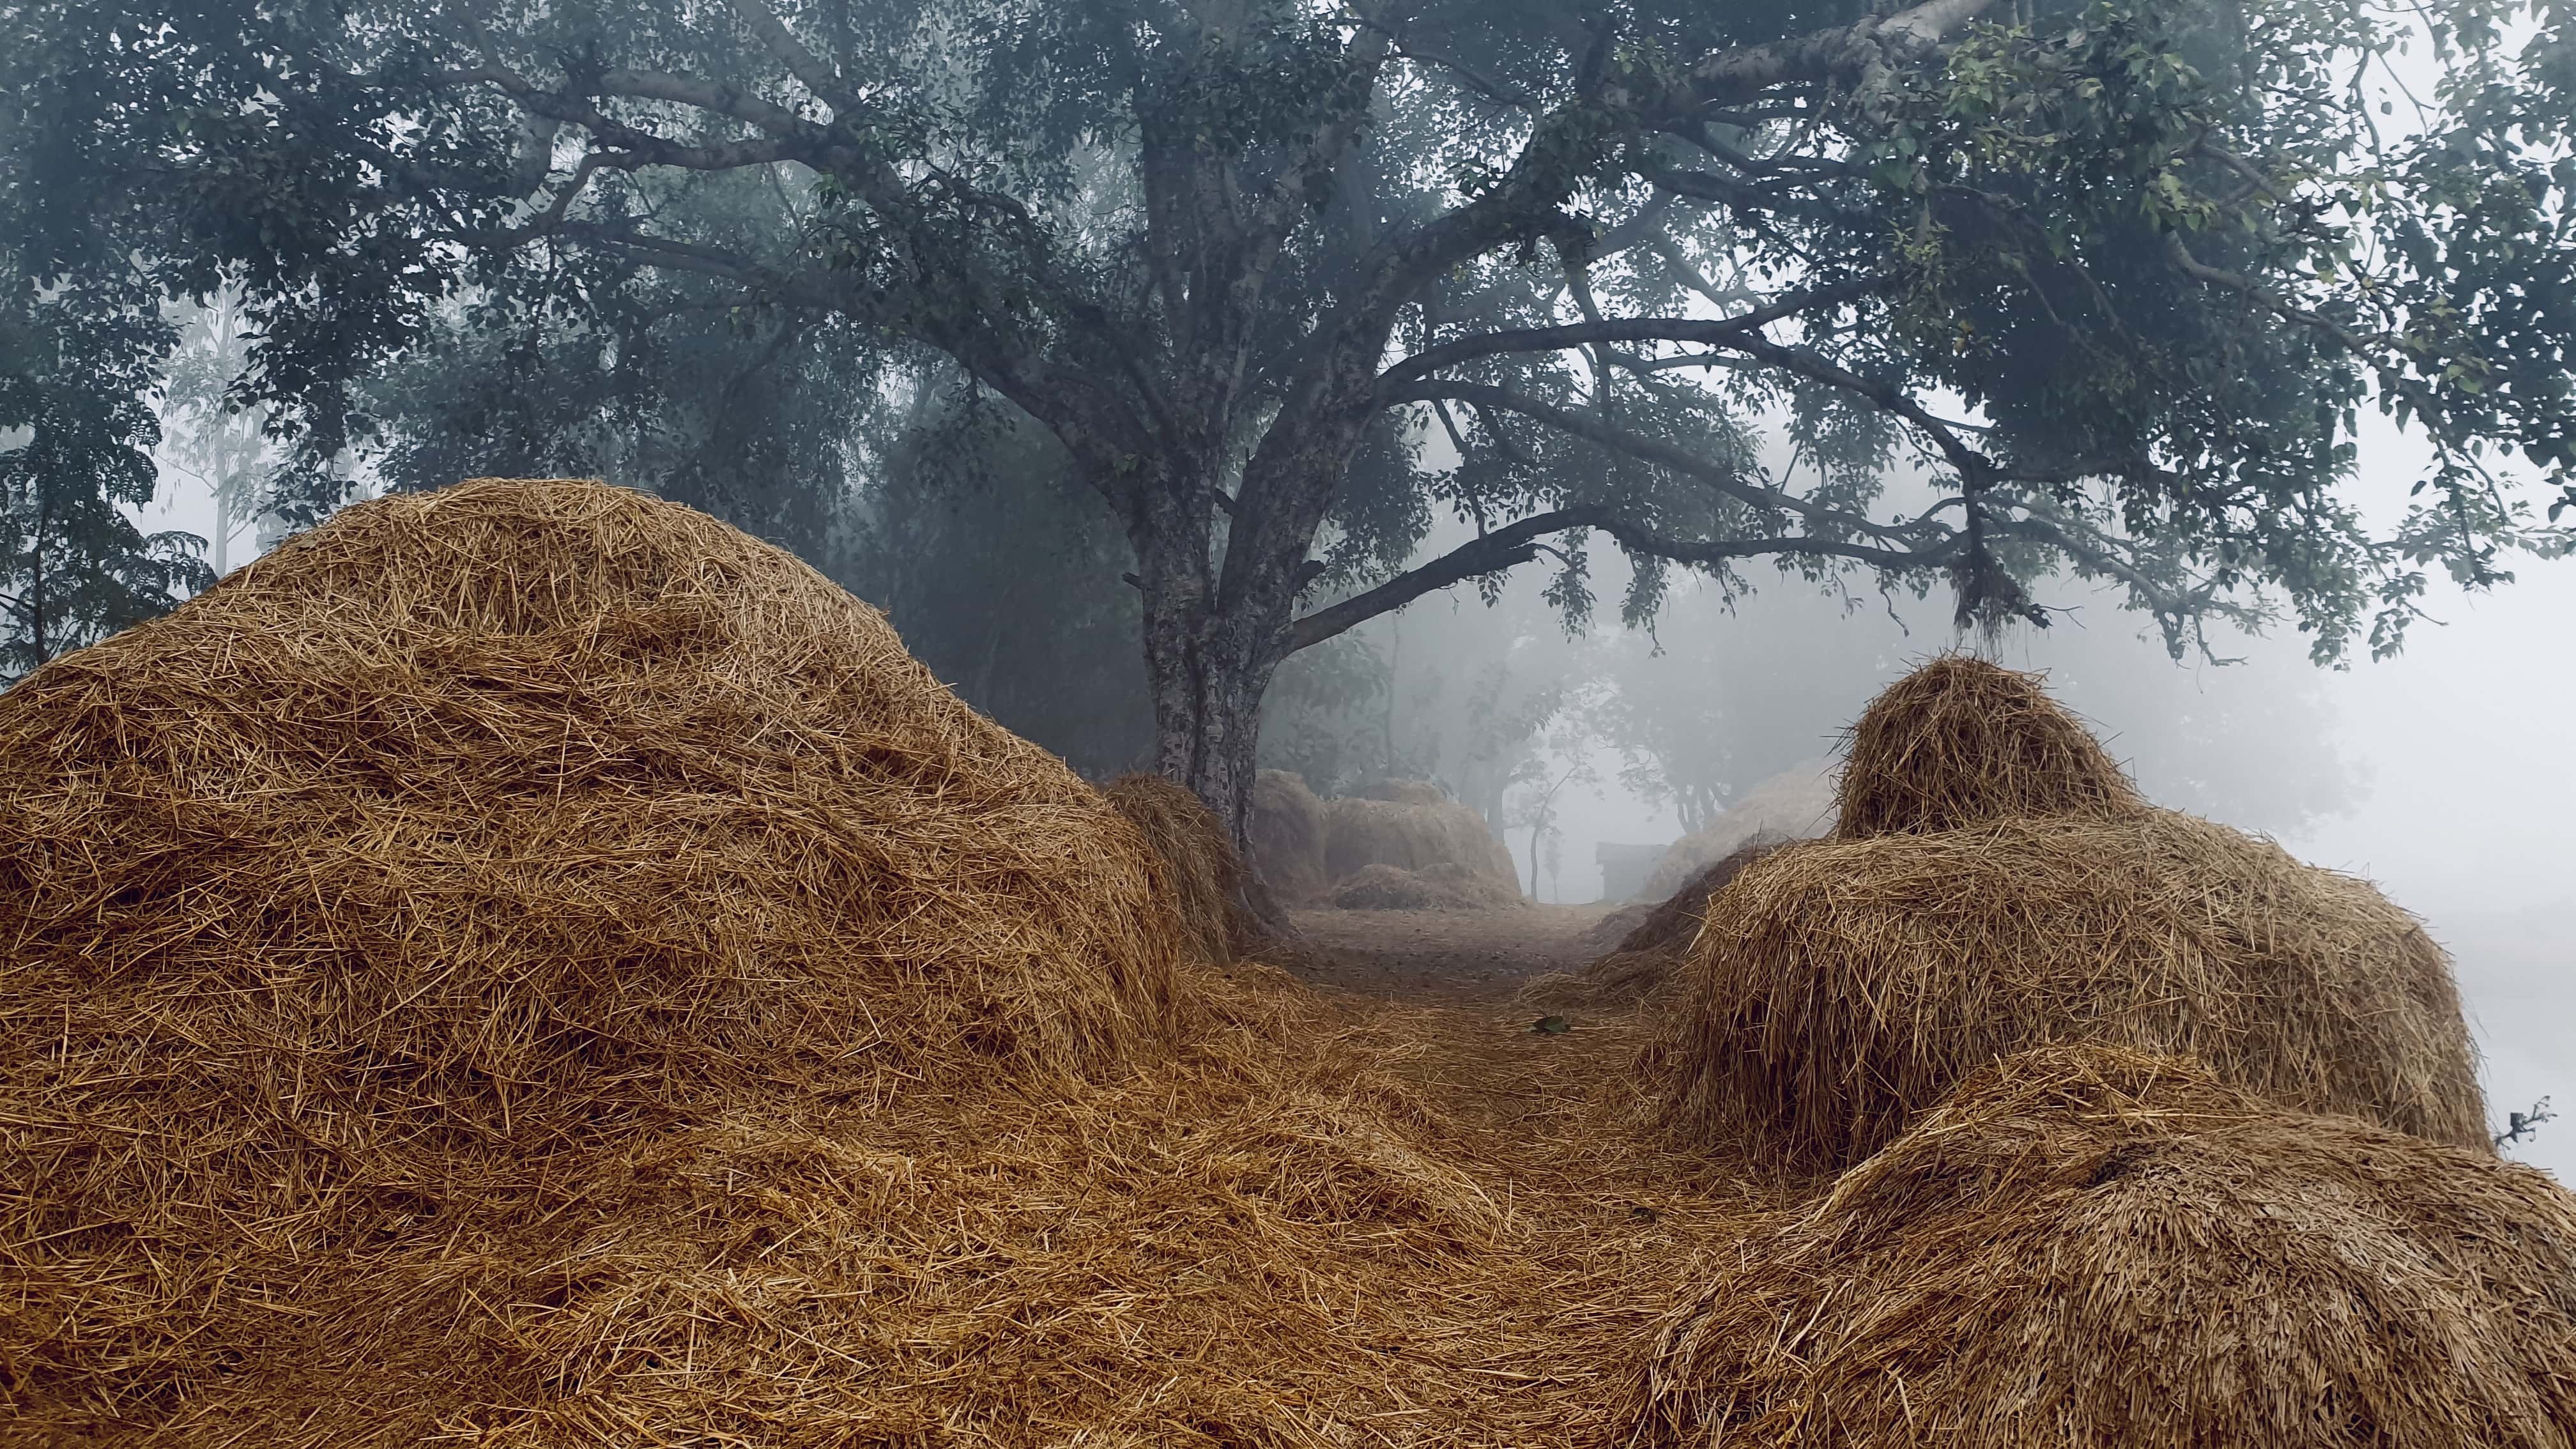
{"x":1284,"y":278}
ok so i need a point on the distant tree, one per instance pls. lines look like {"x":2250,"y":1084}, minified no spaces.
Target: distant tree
{"x":207,"y":440}
{"x":77,"y":428}
{"x":1238,"y":256}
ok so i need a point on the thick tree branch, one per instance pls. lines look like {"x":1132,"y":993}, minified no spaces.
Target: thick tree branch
{"x":1703,"y":331}
{"x":1518,"y":543}
{"x":1506,"y":547}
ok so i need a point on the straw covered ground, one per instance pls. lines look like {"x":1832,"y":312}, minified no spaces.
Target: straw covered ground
{"x":530,"y":965}
{"x":1841,"y":985}
{"x":2091,"y":1248}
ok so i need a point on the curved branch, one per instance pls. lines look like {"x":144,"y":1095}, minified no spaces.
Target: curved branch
{"x":1504,"y":548}
{"x":1518,"y":543}
{"x":1704,"y":331}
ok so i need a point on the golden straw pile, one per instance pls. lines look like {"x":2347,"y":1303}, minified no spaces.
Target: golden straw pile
{"x":1840,"y":986}
{"x":2094,"y":1248}
{"x":529,"y":965}
{"x":1961,"y":740}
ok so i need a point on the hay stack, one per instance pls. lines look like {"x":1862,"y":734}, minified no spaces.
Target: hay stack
{"x":2097,"y":1249}
{"x":1403,"y":792}
{"x":1416,"y":836}
{"x":1961,"y":740}
{"x":1445,"y":887}
{"x":471,"y":829}
{"x":1996,"y":886}
{"x":1796,"y":804}
{"x":1288,"y":838}
{"x":1206,"y":874}
{"x":1840,"y":986}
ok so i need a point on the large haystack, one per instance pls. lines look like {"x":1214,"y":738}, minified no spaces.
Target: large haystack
{"x":2093,"y":1249}
{"x":1288,"y":838}
{"x":1414,"y":835}
{"x":474,"y":828}
{"x":1840,"y":986}
{"x":1207,"y":875}
{"x":1961,"y":740}
{"x":1796,"y":804}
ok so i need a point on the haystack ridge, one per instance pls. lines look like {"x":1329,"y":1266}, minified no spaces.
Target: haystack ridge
{"x":1840,"y":986}
{"x":1287,"y":832}
{"x":1205,"y":872}
{"x":2097,"y":1249}
{"x":1961,"y":740}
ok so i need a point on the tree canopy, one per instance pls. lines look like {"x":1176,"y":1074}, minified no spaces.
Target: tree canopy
{"x":1285,"y":279}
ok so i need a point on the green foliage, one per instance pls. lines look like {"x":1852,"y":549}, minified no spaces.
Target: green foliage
{"x":1285,"y":285}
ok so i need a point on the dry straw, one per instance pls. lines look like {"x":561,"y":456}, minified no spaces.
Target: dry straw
{"x":530,"y":966}
{"x":2089,"y":1248}
{"x":1207,"y":875}
{"x":1445,"y":887}
{"x":481,"y":825}
{"x":1961,"y":740}
{"x":1841,"y":985}
{"x":1416,"y":835}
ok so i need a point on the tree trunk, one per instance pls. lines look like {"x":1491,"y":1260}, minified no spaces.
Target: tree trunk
{"x":1209,"y":657}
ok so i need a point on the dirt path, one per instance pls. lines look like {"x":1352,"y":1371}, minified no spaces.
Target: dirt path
{"x":1446,"y":958}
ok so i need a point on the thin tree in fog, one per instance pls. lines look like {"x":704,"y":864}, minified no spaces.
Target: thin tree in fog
{"x":2122,"y":272}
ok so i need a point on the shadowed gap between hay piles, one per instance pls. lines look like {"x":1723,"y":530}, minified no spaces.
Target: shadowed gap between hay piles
{"x":2090,"y":1248}
{"x":1646,"y":961}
